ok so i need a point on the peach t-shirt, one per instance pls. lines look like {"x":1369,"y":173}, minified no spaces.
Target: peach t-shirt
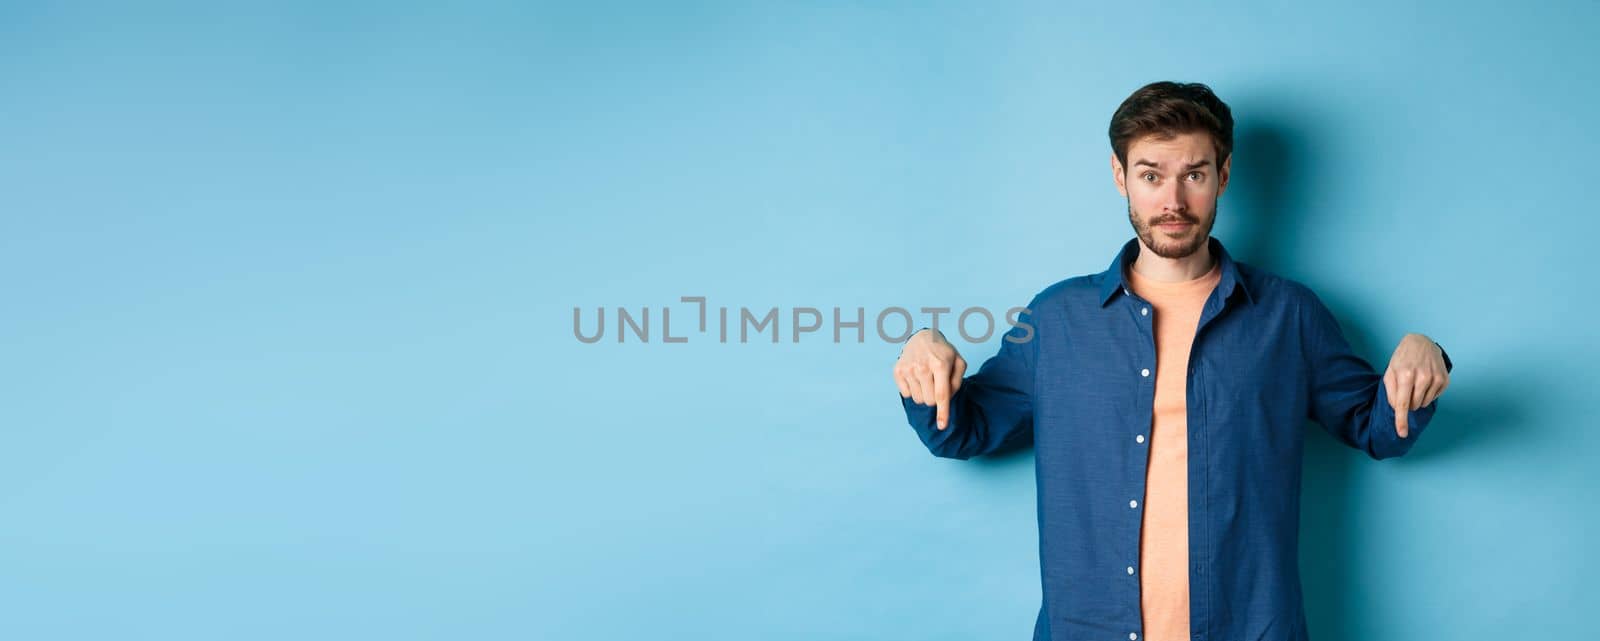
{"x":1164,"y":544}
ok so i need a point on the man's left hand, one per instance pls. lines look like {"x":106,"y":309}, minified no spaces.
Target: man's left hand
{"x":1415,"y":378}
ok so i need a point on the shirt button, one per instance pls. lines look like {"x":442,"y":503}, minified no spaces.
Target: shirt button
{"x":1139,"y":438}
{"x":1133,"y":504}
{"x":1144,"y":311}
{"x":1130,"y":569}
{"x":1132,"y":636}
{"x":1144,"y":372}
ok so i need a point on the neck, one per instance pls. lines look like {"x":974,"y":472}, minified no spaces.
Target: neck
{"x":1190,"y":267}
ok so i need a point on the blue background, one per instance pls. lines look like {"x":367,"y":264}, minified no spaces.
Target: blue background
{"x":286,"y":348}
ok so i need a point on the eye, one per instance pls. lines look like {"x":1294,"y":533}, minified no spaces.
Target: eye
{"x":1196,"y":176}
{"x":1148,"y":176}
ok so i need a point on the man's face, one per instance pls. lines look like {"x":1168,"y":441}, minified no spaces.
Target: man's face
{"x":1172,"y":188}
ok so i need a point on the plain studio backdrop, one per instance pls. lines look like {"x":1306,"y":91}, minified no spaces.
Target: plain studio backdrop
{"x":287,"y":347}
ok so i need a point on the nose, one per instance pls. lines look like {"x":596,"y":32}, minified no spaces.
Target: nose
{"x":1172,"y":198}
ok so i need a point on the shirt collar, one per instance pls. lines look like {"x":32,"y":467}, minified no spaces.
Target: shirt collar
{"x":1111,"y":279}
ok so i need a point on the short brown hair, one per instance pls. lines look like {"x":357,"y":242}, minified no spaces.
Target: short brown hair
{"x":1166,"y":109}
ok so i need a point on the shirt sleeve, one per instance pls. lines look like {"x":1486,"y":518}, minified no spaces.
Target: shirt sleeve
{"x":993,"y":409}
{"x":1348,"y":397}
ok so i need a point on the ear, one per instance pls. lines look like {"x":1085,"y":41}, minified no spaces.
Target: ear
{"x":1222,"y":174}
{"x":1118,"y":175}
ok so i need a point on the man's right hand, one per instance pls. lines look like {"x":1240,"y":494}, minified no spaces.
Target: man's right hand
{"x":930,"y":371}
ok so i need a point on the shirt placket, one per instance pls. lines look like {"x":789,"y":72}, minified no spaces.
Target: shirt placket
{"x":1146,"y":365}
{"x":1199,"y":474}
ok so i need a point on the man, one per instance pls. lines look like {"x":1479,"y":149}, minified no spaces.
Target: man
{"x":1165,"y":398}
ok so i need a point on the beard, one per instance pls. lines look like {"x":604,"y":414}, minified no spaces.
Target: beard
{"x":1166,"y":245}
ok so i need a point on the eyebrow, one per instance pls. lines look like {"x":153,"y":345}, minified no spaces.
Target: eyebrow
{"x":1197,"y":165}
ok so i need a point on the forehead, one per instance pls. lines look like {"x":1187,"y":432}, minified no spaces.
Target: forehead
{"x":1183,"y":149}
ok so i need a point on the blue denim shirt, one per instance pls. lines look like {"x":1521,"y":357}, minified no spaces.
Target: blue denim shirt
{"x":1075,"y":378}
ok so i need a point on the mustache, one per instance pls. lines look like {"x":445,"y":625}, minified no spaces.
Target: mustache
{"x":1173,"y":219}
